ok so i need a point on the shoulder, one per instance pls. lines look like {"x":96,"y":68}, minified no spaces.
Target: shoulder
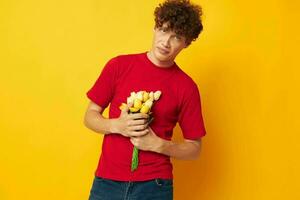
{"x":187,"y":89}
{"x":126,"y":57}
{"x":121,"y":60}
{"x":123,"y":63}
{"x":186,"y":81}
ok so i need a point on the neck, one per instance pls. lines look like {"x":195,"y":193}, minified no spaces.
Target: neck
{"x":158,"y":62}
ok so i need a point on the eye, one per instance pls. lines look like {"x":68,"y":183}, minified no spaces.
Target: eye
{"x":178,"y":37}
{"x":164,"y":30}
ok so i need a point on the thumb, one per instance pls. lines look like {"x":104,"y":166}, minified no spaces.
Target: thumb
{"x":151,"y":130}
{"x":125,"y":109}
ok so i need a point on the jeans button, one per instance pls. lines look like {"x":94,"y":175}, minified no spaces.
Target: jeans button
{"x":158,"y":182}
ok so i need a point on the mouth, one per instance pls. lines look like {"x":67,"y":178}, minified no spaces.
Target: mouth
{"x":163,"y":51}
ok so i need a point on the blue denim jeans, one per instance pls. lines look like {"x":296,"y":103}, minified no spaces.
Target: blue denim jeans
{"x":156,"y":189}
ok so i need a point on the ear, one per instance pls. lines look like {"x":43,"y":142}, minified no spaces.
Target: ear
{"x":186,"y":45}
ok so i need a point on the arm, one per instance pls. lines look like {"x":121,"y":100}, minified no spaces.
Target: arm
{"x":126,"y":124}
{"x":94,"y":120}
{"x":187,"y":150}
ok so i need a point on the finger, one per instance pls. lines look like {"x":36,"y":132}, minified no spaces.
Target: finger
{"x":150,"y":120}
{"x":150,"y":129}
{"x":125,"y":110}
{"x":139,"y":116}
{"x":138,"y":127}
{"x":133,"y":141}
{"x":137,"y":122}
{"x":139,"y":133}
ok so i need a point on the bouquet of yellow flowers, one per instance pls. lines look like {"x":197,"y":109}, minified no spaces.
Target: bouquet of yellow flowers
{"x":142,"y":102}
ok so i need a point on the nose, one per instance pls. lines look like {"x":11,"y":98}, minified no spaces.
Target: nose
{"x":166,"y":41}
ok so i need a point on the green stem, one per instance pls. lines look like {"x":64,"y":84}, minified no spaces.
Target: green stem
{"x":135,"y":159}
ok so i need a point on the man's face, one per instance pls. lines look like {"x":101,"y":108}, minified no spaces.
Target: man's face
{"x":167,"y":44}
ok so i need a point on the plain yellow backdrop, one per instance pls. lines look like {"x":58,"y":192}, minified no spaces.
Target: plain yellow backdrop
{"x":245,"y":62}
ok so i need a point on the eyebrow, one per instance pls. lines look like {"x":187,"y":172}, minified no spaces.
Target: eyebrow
{"x":166,"y":27}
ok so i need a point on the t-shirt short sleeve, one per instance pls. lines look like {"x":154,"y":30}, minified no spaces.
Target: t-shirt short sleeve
{"x":102,"y":91}
{"x":190,"y":115}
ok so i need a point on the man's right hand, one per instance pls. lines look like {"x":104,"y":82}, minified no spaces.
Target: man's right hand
{"x":130,"y":125}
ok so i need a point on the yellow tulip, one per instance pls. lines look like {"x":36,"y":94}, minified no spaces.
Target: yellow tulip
{"x":145,"y":96}
{"x":133,"y":109}
{"x":122,"y":106}
{"x":151,"y":95}
{"x":130,"y":100}
{"x":149,"y":103}
{"x":145,"y":109}
{"x":157,"y":95}
{"x":139,"y":95}
{"x":133,"y":95}
{"x":137,"y":103}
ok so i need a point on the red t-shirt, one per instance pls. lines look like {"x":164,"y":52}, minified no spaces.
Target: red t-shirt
{"x":179,"y":102}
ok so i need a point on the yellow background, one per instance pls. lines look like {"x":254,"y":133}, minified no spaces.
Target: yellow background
{"x":246,"y":64}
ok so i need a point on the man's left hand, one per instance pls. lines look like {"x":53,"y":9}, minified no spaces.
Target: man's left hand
{"x":148,"y":142}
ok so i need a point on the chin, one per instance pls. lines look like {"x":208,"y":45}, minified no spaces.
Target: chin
{"x":161,"y":57}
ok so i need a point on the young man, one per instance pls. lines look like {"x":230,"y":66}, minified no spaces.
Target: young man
{"x":177,"y":24}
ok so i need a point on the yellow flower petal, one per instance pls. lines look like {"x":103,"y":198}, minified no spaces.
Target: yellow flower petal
{"x":145,"y":109}
{"x":122,"y":106}
{"x":157,"y":95}
{"x":133,"y":109}
{"x":145,"y":96}
{"x":130,"y":100}
{"x":137,"y":103}
{"x":149,"y":103}
{"x":139,"y":95}
{"x":151,"y":95}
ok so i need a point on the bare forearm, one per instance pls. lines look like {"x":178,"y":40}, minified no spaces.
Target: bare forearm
{"x":96,"y":122}
{"x":181,"y":151}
